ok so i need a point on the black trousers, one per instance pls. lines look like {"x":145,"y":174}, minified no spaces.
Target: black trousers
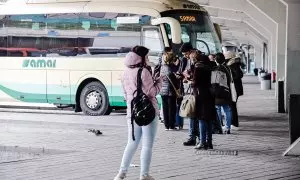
{"x":195,"y":130}
{"x":235,"y":116}
{"x":169,"y":111}
{"x":217,"y":125}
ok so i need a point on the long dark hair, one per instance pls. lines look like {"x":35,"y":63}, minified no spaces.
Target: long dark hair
{"x":200,"y":57}
{"x":142,"y":52}
{"x":220,"y":58}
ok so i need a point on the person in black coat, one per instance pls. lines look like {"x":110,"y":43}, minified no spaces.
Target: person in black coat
{"x":234,"y":63}
{"x":205,"y":105}
{"x":185,"y":71}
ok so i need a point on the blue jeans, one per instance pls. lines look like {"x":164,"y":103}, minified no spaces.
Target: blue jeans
{"x":228,"y":114}
{"x":179,"y":119}
{"x":147,"y":134}
{"x":193,"y":129}
{"x":205,"y":128}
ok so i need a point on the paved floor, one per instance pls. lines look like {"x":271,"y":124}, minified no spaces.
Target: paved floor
{"x":46,"y":145}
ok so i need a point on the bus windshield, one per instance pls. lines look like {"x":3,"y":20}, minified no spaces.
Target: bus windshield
{"x":197,"y":29}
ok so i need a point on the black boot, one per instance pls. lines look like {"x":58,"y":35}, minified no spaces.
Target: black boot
{"x":190,"y":142}
{"x":209,"y":145}
{"x":227,"y":131}
{"x":217,"y":131}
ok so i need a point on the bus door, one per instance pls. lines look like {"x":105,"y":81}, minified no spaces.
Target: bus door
{"x":58,"y":86}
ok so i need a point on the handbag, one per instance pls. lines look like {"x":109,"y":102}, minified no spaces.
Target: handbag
{"x":232,"y":88}
{"x":188,"y":106}
{"x":142,"y":109}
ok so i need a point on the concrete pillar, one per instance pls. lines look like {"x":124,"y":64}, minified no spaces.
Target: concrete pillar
{"x":257,"y":57}
{"x":293,"y":49}
{"x":269,"y":24}
{"x":277,"y":11}
{"x":262,"y":56}
{"x":266,"y":56}
{"x":281,"y":49}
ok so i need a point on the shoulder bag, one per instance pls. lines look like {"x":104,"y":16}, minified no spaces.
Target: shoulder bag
{"x":142,"y":109}
{"x":232,"y":88}
{"x":177,"y":90}
{"x":187,"y":107}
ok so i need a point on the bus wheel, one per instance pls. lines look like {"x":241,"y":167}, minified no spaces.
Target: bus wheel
{"x":94,"y":99}
{"x":109,"y":110}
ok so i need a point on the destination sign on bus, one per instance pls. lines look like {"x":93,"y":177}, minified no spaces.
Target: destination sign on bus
{"x":187,"y":19}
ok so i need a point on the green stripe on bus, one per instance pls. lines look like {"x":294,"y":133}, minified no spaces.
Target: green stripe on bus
{"x":35,"y":98}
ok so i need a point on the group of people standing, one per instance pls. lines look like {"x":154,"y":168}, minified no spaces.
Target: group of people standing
{"x":190,"y":74}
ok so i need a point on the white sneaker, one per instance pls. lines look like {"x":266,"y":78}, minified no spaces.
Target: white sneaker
{"x":174,"y":129}
{"x":234,"y":127}
{"x":147,"y":178}
{"x":120,"y":176}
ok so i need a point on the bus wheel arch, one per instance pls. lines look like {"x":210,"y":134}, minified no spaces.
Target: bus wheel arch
{"x":92,"y":98}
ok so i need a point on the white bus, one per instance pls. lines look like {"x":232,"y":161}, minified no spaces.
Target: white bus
{"x":70,"y":52}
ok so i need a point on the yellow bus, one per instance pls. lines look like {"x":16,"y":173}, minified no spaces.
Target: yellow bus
{"x":70,"y":53}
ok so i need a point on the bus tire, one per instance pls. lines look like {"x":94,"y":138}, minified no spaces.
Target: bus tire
{"x":109,"y":110}
{"x":94,"y":99}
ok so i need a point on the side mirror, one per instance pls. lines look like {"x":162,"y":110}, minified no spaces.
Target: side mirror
{"x":218,"y":31}
{"x":152,"y":39}
{"x":175,"y":27}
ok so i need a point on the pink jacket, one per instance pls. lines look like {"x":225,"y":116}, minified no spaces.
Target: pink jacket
{"x":129,"y":82}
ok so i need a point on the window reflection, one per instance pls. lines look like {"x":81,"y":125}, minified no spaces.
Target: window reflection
{"x":55,"y":35}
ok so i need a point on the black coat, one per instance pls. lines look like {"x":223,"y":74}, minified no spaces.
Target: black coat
{"x":167,"y":88}
{"x":237,"y":74}
{"x":205,"y":105}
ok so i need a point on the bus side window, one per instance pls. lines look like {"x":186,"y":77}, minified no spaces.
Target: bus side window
{"x":15,"y":54}
{"x":3,"y":53}
{"x":3,"y":43}
{"x":110,"y":34}
{"x":36,"y":54}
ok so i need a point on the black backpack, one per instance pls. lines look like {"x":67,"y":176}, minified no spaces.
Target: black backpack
{"x":142,"y":109}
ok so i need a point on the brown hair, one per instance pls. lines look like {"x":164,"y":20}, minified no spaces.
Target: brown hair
{"x":169,"y":57}
{"x":198,"y":56}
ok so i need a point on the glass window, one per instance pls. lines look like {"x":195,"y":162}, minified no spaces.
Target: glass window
{"x":3,"y":46}
{"x":184,"y":35}
{"x":69,"y":34}
{"x":196,"y":28}
{"x":25,"y":34}
{"x":152,"y":40}
{"x":110,"y":34}
{"x":3,"y":37}
{"x":62,"y":35}
{"x":42,"y":35}
{"x":17,"y":53}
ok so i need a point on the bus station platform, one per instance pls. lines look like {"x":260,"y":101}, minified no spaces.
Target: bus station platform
{"x":37,"y":145}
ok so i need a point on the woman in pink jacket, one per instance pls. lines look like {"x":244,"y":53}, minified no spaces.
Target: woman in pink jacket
{"x":135,"y":59}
